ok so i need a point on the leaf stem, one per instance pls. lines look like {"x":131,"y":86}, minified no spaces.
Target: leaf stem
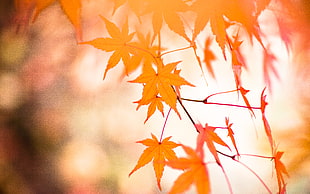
{"x":221,"y":104}
{"x":233,"y":157}
{"x":258,"y":156}
{"x":227,"y":180}
{"x":180,"y":49}
{"x":162,"y":131}
{"x":235,"y":105}
{"x":142,"y":49}
{"x":220,"y":93}
{"x":260,"y":179}
{"x":187,"y":113}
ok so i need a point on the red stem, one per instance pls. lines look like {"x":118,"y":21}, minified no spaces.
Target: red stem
{"x":162,"y":131}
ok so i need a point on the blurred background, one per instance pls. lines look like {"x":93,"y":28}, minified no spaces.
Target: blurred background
{"x":65,"y":130}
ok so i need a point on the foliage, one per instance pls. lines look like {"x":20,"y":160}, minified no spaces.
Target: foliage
{"x":232,"y":24}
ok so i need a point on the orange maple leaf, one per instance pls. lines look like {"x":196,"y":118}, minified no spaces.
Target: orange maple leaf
{"x":161,"y":83}
{"x":167,"y":11}
{"x":213,"y":12}
{"x":159,"y":152}
{"x":154,"y":103}
{"x":119,"y":43}
{"x":207,"y":134}
{"x":195,"y":172}
{"x":145,"y":53}
{"x":209,"y":56}
{"x":135,"y":5}
{"x":72,"y":8}
{"x":221,"y":12}
{"x":280,"y":170}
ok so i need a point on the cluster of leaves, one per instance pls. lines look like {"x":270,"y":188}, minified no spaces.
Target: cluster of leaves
{"x":161,"y":81}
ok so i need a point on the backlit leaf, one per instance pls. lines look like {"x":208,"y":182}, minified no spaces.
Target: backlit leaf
{"x":161,"y":83}
{"x":195,"y":172}
{"x":119,"y":43}
{"x":280,"y":170}
{"x":159,"y":153}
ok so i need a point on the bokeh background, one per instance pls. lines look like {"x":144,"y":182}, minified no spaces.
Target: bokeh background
{"x":63,"y":129}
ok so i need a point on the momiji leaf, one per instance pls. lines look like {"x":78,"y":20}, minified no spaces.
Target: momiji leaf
{"x":135,"y":5}
{"x":268,"y":66}
{"x":119,"y":43}
{"x":245,"y":13}
{"x":237,"y":59}
{"x":219,"y":30}
{"x":261,"y":5}
{"x":209,"y":56}
{"x":207,"y":134}
{"x":203,"y":9}
{"x":161,"y":83}
{"x":146,"y":54}
{"x":155,"y":103}
{"x":195,"y":172}
{"x":71,"y":8}
{"x":159,"y":152}
{"x":213,"y":11}
{"x":280,"y":170}
{"x":231,"y":134}
{"x":167,"y":11}
{"x":265,"y":121}
{"x":40,"y":5}
{"x":246,"y":101}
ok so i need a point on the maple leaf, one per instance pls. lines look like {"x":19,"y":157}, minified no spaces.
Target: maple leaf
{"x":72,"y":9}
{"x":221,"y":12}
{"x":237,"y":59}
{"x":246,"y":13}
{"x":135,"y":5}
{"x":211,"y":11}
{"x":209,"y":56}
{"x":268,"y":66}
{"x":161,"y":83}
{"x":280,"y":170}
{"x":243,"y":92}
{"x":159,"y":152}
{"x":145,"y":53}
{"x":154,"y":103}
{"x":231,"y":134}
{"x":119,"y":43}
{"x":195,"y":172}
{"x":265,"y":121}
{"x":167,"y":11}
{"x":207,"y":134}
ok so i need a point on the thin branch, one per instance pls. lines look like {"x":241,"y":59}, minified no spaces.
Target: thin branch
{"x":163,"y":129}
{"x":220,"y":93}
{"x":227,"y":180}
{"x":180,"y":49}
{"x":221,"y":104}
{"x":233,"y":157}
{"x":258,"y":156}
{"x":187,"y":113}
{"x":142,"y":49}
{"x":235,"y":105}
{"x":260,"y":179}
